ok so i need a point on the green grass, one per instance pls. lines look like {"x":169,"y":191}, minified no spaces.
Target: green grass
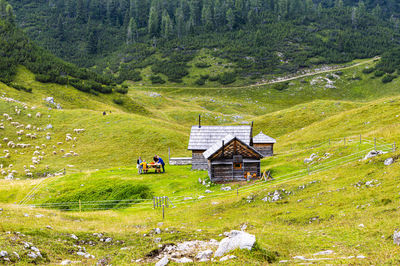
{"x":323,"y":215}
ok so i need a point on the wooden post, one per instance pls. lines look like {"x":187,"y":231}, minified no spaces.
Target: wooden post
{"x":166,"y":201}
{"x":394,"y":146}
{"x":163,"y":212}
{"x":169,"y":155}
{"x":375,"y":143}
{"x":80,"y":206}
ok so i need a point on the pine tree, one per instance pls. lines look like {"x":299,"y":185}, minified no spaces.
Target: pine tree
{"x":207,"y":18}
{"x":166,"y":25}
{"x":180,"y":22}
{"x":230,"y":18}
{"x":153,"y":24}
{"x":92,"y":43}
{"x":60,"y":29}
{"x":132,"y":33}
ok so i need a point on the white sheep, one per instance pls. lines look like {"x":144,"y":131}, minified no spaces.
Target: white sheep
{"x":29,"y":126}
{"x":38,"y":115}
{"x":3,"y":172}
{"x":7,"y":156}
{"x":5,"y":139}
{"x":54,"y":152}
{"x":36,"y":153}
{"x":29,"y":174}
{"x":59,"y":143}
{"x":61,"y":150}
{"x":29,"y":115}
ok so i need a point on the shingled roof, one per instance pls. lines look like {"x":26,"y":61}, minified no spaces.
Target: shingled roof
{"x":261,"y":138}
{"x":226,"y":141}
{"x":202,"y":138}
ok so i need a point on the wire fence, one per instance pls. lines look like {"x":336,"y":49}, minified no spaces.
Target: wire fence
{"x":139,"y":204}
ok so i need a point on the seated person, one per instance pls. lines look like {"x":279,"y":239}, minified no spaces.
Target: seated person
{"x":144,"y":166}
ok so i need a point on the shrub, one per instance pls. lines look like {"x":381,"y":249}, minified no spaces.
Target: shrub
{"x":379,"y":73}
{"x":122,"y":90}
{"x":20,"y":87}
{"x":388,"y":78}
{"x":281,"y":86}
{"x":118,"y":101}
{"x":213,"y":78}
{"x":368,"y":70}
{"x":200,"y":82}
{"x":43,"y":78}
{"x":205,"y":77}
{"x":227,"y":78}
{"x":155,"y":79}
{"x":202,"y":65}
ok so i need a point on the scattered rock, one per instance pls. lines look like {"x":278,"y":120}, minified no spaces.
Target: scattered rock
{"x":74,"y":237}
{"x":227,"y":257}
{"x":361,"y":225}
{"x":183,"y":260}
{"x":326,"y":252}
{"x":157,"y":231}
{"x":236,"y":239}
{"x":3,"y":253}
{"x":388,"y":161}
{"x":164,"y":261}
{"x":208,"y":191}
{"x":396,"y":237}
{"x":226,"y":188}
{"x":372,"y":154}
{"x":204,"y":255}
{"x":66,"y":262}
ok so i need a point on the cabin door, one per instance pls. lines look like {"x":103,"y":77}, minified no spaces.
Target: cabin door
{"x":238,"y":167}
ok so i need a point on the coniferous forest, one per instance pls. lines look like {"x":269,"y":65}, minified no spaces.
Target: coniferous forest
{"x":119,"y":37}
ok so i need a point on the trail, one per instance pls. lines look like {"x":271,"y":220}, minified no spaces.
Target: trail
{"x":313,"y":73}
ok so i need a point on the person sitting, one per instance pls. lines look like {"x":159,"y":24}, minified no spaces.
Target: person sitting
{"x":144,"y":166}
{"x":139,"y":165}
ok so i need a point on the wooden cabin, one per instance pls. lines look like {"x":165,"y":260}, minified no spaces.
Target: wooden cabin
{"x":203,"y":137}
{"x":231,"y":159}
{"x":264,"y":144}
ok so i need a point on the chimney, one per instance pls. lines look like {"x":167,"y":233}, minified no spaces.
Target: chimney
{"x":251,"y":134}
{"x":223,"y":148}
{"x":199,"y":121}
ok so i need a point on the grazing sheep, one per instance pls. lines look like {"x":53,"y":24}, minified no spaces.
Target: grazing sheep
{"x":62,"y":150}
{"x":28,"y":126}
{"x":7,"y":156}
{"x":5,"y":139}
{"x":29,"y":174}
{"x":19,"y":138}
{"x":40,"y":157}
{"x":54,"y":152}
{"x":59,"y":143}
{"x":44,"y":145}
{"x":43,"y":153}
{"x":68,"y":155}
{"x":36,"y":153}
{"x":3,"y":172}
{"x":68,"y":138}
{"x":11,"y":144}
{"x":10,"y":166}
{"x":20,"y":133}
{"x":79,"y":130}
{"x":38,"y":115}
{"x":9,"y":119}
{"x":29,"y":115}
{"x":75,"y":138}
{"x":54,"y":147}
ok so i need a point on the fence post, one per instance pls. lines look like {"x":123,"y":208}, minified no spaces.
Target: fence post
{"x":163,"y":212}
{"x":394,"y":146}
{"x":375,"y":143}
{"x":169,"y":155}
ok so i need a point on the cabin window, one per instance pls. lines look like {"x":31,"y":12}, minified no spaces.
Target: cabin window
{"x":237,"y":166}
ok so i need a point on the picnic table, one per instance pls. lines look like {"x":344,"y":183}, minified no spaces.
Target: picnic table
{"x":155,"y":166}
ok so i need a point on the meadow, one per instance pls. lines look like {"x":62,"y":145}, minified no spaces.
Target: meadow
{"x":339,"y":202}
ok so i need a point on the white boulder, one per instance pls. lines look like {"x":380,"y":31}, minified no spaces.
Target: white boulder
{"x":388,"y":161}
{"x":236,"y":239}
{"x":204,"y":255}
{"x":164,"y":261}
{"x":396,"y":237}
{"x":372,"y":154}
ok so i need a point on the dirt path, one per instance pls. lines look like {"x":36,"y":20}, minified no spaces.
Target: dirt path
{"x":313,"y":73}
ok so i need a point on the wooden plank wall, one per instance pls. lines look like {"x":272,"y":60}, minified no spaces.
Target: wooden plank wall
{"x":198,"y":161}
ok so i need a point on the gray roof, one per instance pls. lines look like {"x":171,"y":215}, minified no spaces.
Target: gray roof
{"x":218,"y":145}
{"x":261,"y":138}
{"x":202,"y":138}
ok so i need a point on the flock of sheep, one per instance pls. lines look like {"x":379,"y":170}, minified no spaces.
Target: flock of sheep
{"x":29,"y":132}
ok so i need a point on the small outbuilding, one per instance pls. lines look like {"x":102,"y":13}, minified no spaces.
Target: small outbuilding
{"x":264,"y":144}
{"x":232,"y":159}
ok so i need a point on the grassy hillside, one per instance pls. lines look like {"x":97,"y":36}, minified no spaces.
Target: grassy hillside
{"x":338,"y":202}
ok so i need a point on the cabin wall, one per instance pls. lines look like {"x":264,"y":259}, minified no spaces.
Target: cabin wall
{"x":265,"y":149}
{"x":253,"y":168}
{"x":198,"y":160}
{"x":221,"y":173}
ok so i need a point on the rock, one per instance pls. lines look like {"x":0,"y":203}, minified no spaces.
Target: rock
{"x":388,"y":161}
{"x":32,"y":255}
{"x":157,"y":240}
{"x":226,"y":188}
{"x":74,"y":237}
{"x":16,"y":255}
{"x":66,"y":262}
{"x":208,"y":191}
{"x":372,"y":154}
{"x":49,"y":227}
{"x":80,"y":253}
{"x":360,"y":257}
{"x":204,"y":255}
{"x":236,"y":239}
{"x":361,"y":225}
{"x":3,"y":253}
{"x":187,"y":198}
{"x":108,"y":239}
{"x":396,"y":237}
{"x":164,"y":261}
{"x":183,"y":260}
{"x":49,"y":126}
{"x":201,"y":197}
{"x":35,"y":249}
{"x":326,"y":252}
{"x":227,"y":257}
{"x":157,"y":231}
